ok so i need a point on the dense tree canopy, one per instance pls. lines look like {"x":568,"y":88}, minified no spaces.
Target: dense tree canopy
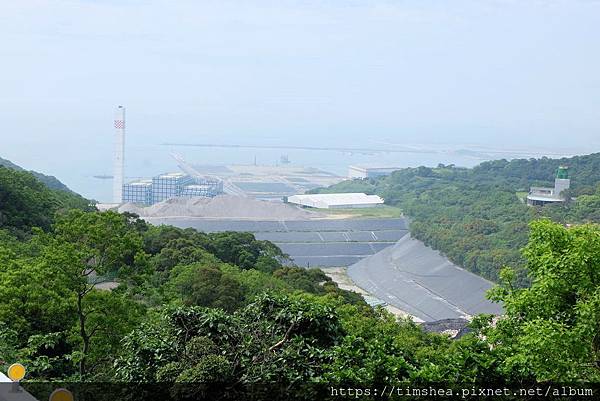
{"x":26,"y":202}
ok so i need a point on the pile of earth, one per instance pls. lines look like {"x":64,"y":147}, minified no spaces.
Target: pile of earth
{"x":223,"y":206}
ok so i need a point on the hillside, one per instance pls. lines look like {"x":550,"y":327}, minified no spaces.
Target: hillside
{"x":475,"y":216}
{"x":48,"y":180}
{"x":27,"y":202}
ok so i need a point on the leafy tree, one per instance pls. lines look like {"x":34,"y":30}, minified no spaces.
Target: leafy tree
{"x":172,"y":246}
{"x":275,"y":339}
{"x":206,"y":285}
{"x":551,"y":331}
{"x":244,"y":250}
{"x":85,"y":248}
{"x":308,"y":280}
{"x":34,"y":298}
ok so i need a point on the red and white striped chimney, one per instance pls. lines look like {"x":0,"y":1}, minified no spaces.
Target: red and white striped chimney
{"x":119,"y":165}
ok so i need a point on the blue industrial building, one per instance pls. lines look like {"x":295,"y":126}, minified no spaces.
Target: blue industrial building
{"x":139,"y":192}
{"x":170,"y":185}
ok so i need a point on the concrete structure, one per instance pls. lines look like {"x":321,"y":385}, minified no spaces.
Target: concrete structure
{"x":119,"y":162}
{"x":540,"y":196}
{"x":422,"y":282}
{"x":336,"y":201}
{"x":168,"y":186}
{"x":370,"y":172}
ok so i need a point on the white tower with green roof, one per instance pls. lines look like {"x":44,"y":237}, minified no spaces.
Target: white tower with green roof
{"x":562,"y":181}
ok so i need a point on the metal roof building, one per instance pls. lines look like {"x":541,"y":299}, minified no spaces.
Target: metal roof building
{"x":333,"y":201}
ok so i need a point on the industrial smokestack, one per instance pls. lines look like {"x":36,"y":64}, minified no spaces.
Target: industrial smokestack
{"x":119,"y":165}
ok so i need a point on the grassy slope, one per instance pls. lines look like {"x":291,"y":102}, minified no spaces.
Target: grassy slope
{"x":367,"y":212}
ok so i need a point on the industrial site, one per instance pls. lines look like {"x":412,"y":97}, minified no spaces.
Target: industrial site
{"x":374,"y":255}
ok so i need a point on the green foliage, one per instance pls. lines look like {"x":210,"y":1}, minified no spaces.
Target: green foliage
{"x":274,"y":338}
{"x":50,"y":298}
{"x":24,"y":202}
{"x":34,"y":298}
{"x":376,"y":350}
{"x":109,"y":240}
{"x":586,"y":208}
{"x":243,"y":250}
{"x":368,"y":186}
{"x":85,"y":247}
{"x":49,"y":181}
{"x":69,"y":200}
{"x":176,"y":246}
{"x":188,"y":267}
{"x":307,"y":280}
{"x":108,"y":317}
{"x":551,"y":330}
{"x":8,"y":344}
{"x":297,"y":341}
{"x":205,"y":285}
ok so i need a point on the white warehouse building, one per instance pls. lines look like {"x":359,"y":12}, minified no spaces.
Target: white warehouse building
{"x":336,"y":201}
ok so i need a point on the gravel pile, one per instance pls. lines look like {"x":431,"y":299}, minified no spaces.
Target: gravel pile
{"x":224,"y":206}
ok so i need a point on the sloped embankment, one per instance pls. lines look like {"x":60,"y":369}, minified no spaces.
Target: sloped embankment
{"x":422,"y":282}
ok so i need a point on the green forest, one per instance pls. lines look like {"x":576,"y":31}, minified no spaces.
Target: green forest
{"x":477,"y":217}
{"x":102,"y":297}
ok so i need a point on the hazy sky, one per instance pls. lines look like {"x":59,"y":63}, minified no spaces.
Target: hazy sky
{"x":353,"y":72}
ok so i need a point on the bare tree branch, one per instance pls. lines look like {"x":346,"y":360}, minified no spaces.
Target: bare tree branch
{"x":285,"y":337}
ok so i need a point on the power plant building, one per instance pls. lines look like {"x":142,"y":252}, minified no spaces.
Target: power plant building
{"x":168,"y":186}
{"x":540,"y":196}
{"x":139,"y":192}
{"x":159,"y":188}
{"x":208,"y":189}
